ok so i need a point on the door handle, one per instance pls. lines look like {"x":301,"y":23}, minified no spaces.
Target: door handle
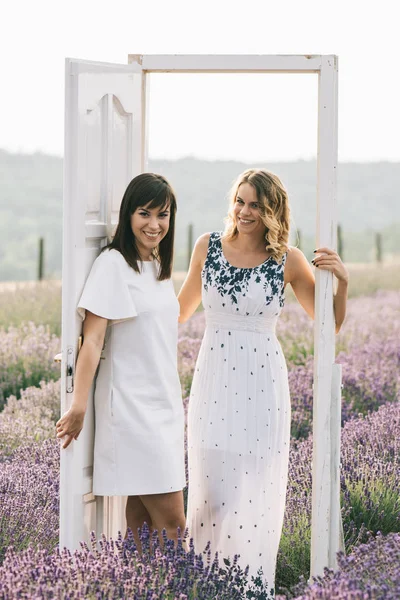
{"x":58,"y":357}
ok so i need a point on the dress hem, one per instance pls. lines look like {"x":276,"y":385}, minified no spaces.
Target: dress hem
{"x":135,"y":493}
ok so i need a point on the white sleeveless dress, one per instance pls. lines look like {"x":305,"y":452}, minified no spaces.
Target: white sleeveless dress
{"x":139,"y":417}
{"x":239,"y":415}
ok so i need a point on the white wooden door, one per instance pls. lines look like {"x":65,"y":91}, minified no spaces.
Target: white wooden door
{"x":104,"y":150}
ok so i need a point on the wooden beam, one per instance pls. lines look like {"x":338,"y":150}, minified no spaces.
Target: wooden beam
{"x":203,"y":63}
{"x":325,"y":475}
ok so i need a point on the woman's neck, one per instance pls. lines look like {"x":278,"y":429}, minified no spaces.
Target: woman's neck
{"x":146,"y":257}
{"x":249,"y":243}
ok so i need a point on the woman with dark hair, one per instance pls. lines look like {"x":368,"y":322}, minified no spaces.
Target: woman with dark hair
{"x":239,"y":408}
{"x":130,"y":318}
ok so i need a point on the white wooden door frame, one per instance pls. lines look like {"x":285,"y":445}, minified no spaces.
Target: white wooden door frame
{"x":326,"y":539}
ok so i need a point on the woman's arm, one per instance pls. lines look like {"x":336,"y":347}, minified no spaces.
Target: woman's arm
{"x":330,"y":261}
{"x":299,"y":274}
{"x":190,"y":293}
{"x":71,"y":423}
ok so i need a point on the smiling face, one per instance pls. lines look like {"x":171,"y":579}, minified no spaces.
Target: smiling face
{"x":246,"y":211}
{"x":149,"y":226}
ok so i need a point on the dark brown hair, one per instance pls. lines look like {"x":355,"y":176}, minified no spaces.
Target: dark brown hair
{"x":155,"y":191}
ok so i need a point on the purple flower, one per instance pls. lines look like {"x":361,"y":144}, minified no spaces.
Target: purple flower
{"x":26,"y":358}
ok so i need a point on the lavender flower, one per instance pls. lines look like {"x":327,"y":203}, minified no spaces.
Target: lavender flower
{"x":370,"y":487}
{"x":370,"y":572}
{"x":26,"y":358}
{"x":114,"y":569}
{"x":29,"y":497}
{"x":369,"y":350}
{"x":29,"y":419}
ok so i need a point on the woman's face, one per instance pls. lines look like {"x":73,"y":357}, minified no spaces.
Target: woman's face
{"x":246,"y":211}
{"x":149,"y":226}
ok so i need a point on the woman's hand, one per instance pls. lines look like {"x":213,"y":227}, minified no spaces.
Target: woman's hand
{"x":329,"y":260}
{"x":70,"y":425}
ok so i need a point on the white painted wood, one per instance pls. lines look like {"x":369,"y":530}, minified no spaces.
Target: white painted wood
{"x":103,"y":151}
{"x":137,"y":59}
{"x":325,"y":446}
{"x":336,"y":541}
{"x":241,"y":63}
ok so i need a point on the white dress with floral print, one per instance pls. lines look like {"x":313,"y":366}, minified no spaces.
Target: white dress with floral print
{"x":239,"y":415}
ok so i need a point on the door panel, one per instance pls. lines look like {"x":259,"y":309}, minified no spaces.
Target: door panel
{"x":103,"y":152}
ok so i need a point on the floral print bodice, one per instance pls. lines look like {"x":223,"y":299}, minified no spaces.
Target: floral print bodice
{"x":257,"y":291}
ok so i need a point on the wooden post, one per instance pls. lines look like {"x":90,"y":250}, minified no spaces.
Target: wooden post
{"x":336,"y":529}
{"x":40,"y":259}
{"x":378,"y":247}
{"x":325,"y":517}
{"x":340,"y":241}
{"x":190,"y":243}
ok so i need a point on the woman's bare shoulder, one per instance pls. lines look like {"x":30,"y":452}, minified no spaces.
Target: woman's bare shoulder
{"x":294,"y":255}
{"x":201,"y":247}
{"x":296,"y":263}
{"x":204,"y":239}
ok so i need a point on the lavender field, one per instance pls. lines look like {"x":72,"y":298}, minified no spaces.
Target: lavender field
{"x":30,"y":564}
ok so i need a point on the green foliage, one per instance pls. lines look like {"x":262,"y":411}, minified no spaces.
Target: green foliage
{"x":294,"y":555}
{"x":31,"y":206}
{"x":377,"y":508}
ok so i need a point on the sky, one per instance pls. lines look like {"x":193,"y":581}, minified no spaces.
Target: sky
{"x":251,"y":118}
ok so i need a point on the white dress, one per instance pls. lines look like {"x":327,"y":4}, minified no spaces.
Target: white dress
{"x":139,"y":417}
{"x":239,"y":415}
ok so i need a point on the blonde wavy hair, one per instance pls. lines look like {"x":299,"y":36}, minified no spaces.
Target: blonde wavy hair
{"x":274,"y":210}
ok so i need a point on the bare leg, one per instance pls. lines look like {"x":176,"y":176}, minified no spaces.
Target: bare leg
{"x":136,"y":516}
{"x":166,"y":512}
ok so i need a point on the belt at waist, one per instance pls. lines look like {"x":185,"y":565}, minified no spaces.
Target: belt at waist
{"x":240,"y":323}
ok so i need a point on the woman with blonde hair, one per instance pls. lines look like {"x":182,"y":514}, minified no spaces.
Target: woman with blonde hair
{"x":239,"y":409}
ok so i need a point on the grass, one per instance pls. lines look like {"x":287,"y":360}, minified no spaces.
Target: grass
{"x":294,"y":556}
{"x":368,"y":278}
{"x":39,"y":302}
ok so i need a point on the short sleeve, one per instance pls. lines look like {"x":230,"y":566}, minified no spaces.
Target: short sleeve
{"x":106,"y":292}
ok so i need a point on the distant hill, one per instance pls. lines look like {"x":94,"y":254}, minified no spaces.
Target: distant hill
{"x":31,"y":205}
